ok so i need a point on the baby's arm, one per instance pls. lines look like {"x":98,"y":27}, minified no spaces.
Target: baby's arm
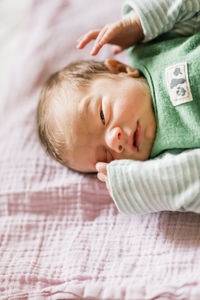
{"x":145,"y":21}
{"x":160,"y":16}
{"x":122,"y":33}
{"x":169,"y":183}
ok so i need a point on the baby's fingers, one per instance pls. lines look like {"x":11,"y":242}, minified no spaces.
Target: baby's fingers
{"x":102,"y":177}
{"x":100,"y":41}
{"x":102,"y":167}
{"x":105,"y":36}
{"x":86,"y":38}
{"x":117,"y":49}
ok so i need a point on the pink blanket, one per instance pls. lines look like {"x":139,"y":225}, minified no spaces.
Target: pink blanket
{"x":61,"y":236}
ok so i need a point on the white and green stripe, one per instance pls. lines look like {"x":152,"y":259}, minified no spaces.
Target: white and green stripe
{"x":161,"y":16}
{"x":168,"y":183}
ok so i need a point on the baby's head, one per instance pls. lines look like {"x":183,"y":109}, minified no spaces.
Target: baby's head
{"x":93,"y":112}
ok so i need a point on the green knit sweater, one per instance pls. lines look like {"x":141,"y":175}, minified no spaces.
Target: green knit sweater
{"x":172,"y":69}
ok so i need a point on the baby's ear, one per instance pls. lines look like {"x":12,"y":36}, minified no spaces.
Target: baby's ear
{"x":115,"y":67}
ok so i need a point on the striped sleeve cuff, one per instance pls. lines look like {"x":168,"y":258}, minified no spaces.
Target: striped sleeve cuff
{"x":156,"y":17}
{"x":169,"y":183}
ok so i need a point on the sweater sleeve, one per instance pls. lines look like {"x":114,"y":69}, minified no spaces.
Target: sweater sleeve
{"x":157,"y":17}
{"x":170,"y":183}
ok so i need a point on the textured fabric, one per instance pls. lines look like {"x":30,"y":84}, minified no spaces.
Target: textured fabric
{"x":61,"y":236}
{"x":161,"y":16}
{"x":169,"y":183}
{"x":178,"y":126}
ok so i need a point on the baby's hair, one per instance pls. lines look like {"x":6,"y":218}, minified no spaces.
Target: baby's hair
{"x":74,"y":76}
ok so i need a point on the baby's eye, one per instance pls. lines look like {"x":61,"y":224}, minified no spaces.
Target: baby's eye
{"x":102,"y":117}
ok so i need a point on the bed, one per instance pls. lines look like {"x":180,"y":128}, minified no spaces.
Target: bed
{"x":61,"y":235}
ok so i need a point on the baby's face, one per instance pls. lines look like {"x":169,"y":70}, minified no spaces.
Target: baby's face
{"x":113,"y":120}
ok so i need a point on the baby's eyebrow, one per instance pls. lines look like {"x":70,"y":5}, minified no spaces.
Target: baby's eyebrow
{"x":85,"y":107}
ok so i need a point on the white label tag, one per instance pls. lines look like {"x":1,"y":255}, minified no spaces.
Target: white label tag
{"x":178,"y":84}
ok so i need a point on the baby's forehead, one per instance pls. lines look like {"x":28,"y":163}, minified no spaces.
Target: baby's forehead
{"x":71,"y":115}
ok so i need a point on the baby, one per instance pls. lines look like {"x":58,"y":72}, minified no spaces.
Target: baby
{"x":91,"y":113}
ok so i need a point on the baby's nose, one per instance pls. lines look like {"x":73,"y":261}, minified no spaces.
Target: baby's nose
{"x":114,"y":139}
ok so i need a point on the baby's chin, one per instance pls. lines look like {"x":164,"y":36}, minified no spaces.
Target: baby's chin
{"x":136,"y":158}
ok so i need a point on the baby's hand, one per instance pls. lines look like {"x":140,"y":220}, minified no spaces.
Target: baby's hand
{"x":102,"y":173}
{"x":122,"y":33}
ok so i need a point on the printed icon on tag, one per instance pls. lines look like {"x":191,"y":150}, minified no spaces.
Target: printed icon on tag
{"x":178,"y":84}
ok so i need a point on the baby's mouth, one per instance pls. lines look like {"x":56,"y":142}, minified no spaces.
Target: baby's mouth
{"x":134,"y":139}
{"x":136,"y":136}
